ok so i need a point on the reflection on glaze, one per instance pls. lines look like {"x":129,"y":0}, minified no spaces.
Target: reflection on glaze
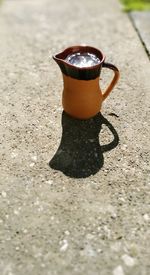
{"x":82,"y":60}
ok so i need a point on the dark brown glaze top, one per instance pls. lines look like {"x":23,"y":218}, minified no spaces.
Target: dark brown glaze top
{"x":83,"y":73}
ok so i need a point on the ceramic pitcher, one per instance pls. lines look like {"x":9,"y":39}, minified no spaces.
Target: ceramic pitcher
{"x":82,"y":96}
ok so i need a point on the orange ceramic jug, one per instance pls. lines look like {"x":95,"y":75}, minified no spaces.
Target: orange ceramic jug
{"x":82,"y":95}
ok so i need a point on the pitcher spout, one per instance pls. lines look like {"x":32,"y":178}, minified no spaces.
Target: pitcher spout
{"x":60,"y":60}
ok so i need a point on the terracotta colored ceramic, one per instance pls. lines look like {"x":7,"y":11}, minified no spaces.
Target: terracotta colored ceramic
{"x":82,"y":95}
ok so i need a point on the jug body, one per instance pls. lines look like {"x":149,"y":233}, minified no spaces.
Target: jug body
{"x":81,"y":98}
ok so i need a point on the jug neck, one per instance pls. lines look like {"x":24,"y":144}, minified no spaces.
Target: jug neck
{"x":74,"y":85}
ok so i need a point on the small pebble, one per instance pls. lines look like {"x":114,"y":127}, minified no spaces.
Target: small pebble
{"x":113,"y":215}
{"x":118,"y":270}
{"x":64,"y":245}
{"x":41,"y":208}
{"x":124,"y":147}
{"x":4,"y":194}
{"x":32,"y":164}
{"x":50,"y":182}
{"x":16,"y":212}
{"x":89,"y":236}
{"x":121,"y":199}
{"x":67,"y":233}
{"x":128,"y":260}
{"x":42,"y":265}
{"x":146,"y":217}
{"x":37,"y":202}
{"x":34,"y":158}
{"x":14,"y":155}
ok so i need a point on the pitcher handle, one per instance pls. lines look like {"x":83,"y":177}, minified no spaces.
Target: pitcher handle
{"x":114,"y":80}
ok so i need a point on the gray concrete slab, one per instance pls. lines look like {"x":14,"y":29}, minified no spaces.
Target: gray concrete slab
{"x":50,"y":223}
{"x":141,"y":21}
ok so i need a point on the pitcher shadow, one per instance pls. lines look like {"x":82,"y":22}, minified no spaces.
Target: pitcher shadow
{"x":80,"y":154}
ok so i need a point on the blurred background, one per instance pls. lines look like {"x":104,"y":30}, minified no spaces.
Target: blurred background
{"x":136,"y":4}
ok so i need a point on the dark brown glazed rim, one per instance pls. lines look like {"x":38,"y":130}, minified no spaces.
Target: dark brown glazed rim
{"x":60,"y":57}
{"x":84,"y":73}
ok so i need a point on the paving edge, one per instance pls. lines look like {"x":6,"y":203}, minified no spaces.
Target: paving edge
{"x":138,"y":32}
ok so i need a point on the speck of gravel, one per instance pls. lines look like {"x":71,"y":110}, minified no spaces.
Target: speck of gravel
{"x":37,"y":201}
{"x":118,"y":270}
{"x":89,"y":236}
{"x":146,"y":217}
{"x":128,"y":260}
{"x":64,"y":245}
{"x":14,"y":155}
{"x":16,"y":212}
{"x":4,"y":194}
{"x":49,"y":182}
{"x":121,"y":199}
{"x":34,"y":158}
{"x":67,"y":233}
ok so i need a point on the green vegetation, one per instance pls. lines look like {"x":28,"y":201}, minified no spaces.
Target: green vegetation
{"x":136,"y":4}
{"x":1,"y":1}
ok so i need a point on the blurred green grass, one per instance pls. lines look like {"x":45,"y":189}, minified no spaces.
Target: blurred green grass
{"x":130,"y":5}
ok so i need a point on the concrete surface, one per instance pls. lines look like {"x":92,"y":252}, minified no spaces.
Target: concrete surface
{"x":52,"y":224}
{"x":141,"y":21}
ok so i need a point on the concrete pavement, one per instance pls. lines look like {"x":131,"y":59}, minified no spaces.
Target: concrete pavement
{"x":50,"y":223}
